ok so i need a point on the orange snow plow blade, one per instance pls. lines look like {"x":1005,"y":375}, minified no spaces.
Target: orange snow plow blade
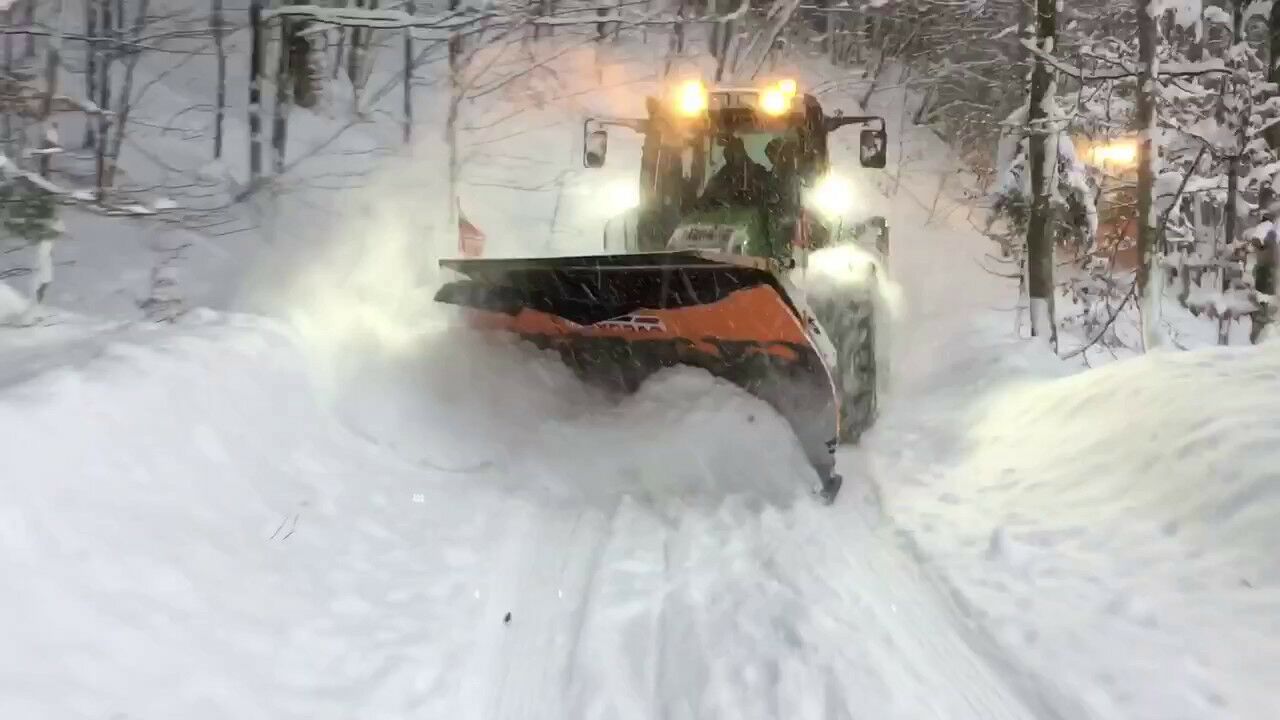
{"x":617,"y":319}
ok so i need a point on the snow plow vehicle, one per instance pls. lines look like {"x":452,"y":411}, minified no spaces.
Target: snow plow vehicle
{"x":707,"y":269}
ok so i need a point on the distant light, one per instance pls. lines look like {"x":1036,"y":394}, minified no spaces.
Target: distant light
{"x":774,"y":102}
{"x":1119,"y":153}
{"x":692,"y":98}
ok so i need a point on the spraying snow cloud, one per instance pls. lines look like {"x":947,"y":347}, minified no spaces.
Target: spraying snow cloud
{"x":360,"y":279}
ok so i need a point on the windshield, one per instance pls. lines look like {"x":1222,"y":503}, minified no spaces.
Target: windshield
{"x":753,"y":142}
{"x":740,"y":167}
{"x":756,"y":144}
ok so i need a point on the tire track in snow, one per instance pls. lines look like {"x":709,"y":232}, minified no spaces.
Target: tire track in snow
{"x":621,"y":647}
{"x":714,"y":592}
{"x":924,"y":625}
{"x":544,"y":581}
{"x":589,"y":574}
{"x":730,"y":611}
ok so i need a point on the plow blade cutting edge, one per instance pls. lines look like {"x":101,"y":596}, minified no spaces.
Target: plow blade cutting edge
{"x":617,"y":319}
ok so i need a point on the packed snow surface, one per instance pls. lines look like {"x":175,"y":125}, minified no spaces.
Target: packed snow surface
{"x":191,"y":530}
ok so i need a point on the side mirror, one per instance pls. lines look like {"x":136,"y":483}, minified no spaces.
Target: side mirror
{"x":594,"y":147}
{"x":872,"y":148}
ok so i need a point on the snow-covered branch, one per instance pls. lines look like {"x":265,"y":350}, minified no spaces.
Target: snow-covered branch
{"x":1166,"y":69}
{"x":87,"y":198}
{"x":454,"y":21}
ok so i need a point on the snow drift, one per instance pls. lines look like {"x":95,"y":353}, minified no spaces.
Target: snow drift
{"x":1116,"y":528}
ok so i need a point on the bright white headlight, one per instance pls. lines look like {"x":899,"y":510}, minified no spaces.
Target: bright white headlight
{"x":833,"y":195}
{"x":621,"y":196}
{"x":842,"y":262}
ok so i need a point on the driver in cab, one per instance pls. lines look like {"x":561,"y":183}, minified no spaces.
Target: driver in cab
{"x":741,"y":181}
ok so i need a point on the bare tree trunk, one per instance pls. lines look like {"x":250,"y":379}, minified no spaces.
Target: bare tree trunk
{"x":90,"y":66}
{"x":851,"y":50}
{"x":1043,"y":152}
{"x":1241,"y":120}
{"x":280,"y":119}
{"x":255,"y":90}
{"x":29,"y":48}
{"x":1149,"y":293}
{"x":455,"y":47}
{"x":675,"y":44}
{"x":727,"y":35}
{"x":6,"y":113}
{"x":53,"y":66}
{"x":451,"y":129}
{"x":305,"y":92}
{"x":548,"y":7}
{"x":355,"y":59}
{"x":408,"y":77}
{"x":1267,"y":260}
{"x":875,"y":77}
{"x":107,"y":51}
{"x":1241,"y":109}
{"x":366,"y":57}
{"x":679,"y":28}
{"x":780,"y":14}
{"x":220,"y":102}
{"x":100,"y":146}
{"x":713,"y":30}
{"x":339,"y":50}
{"x":1273,"y":74}
{"x":831,"y":31}
{"x":122,"y":117}
{"x":1012,"y":42}
{"x":52,"y":69}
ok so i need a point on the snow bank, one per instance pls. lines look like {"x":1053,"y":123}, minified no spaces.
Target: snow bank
{"x":143,"y":529}
{"x":1116,"y":528}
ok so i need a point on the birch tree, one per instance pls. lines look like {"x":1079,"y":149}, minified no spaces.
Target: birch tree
{"x":37,"y":231}
{"x":1148,"y":281}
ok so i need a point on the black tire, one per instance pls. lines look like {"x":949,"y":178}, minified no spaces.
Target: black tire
{"x":849,"y":323}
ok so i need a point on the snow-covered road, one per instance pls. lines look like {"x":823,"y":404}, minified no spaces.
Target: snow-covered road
{"x":189,"y":531}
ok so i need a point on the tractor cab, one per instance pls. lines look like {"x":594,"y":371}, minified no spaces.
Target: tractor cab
{"x":726,"y":169}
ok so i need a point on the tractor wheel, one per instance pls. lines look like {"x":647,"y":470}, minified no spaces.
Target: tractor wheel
{"x":849,"y":323}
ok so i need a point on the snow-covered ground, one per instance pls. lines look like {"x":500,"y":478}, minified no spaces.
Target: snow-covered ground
{"x":1115,"y":529}
{"x":1112,"y":529}
{"x":329,"y":507}
{"x":194,"y":532}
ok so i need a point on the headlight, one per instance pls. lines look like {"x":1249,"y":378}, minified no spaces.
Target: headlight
{"x":620,"y":196}
{"x":833,"y":195}
{"x":774,"y":102}
{"x":843,"y":263}
{"x":691,"y":98}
